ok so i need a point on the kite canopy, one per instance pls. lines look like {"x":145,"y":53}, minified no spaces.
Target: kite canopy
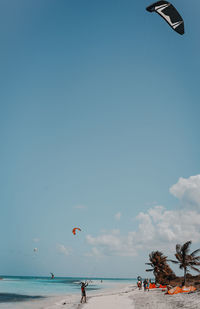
{"x":35,"y":249}
{"x":152,"y":286}
{"x":184,"y":289}
{"x":167,"y":11}
{"x":74,"y":230}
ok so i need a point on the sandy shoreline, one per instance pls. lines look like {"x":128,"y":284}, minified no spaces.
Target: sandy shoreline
{"x":128,"y":297}
{"x":132,"y":298}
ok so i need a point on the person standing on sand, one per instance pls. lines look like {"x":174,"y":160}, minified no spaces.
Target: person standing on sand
{"x":145,"y":284}
{"x":83,"y":292}
{"x":148,"y":284}
{"x":139,"y":284}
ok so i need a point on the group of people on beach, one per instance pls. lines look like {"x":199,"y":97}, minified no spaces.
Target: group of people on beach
{"x":145,"y":284}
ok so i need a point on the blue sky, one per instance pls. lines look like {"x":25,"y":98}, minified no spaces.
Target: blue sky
{"x":99,"y":116}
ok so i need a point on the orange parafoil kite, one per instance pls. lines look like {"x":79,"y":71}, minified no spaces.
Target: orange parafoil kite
{"x":184,"y":289}
{"x":74,"y":230}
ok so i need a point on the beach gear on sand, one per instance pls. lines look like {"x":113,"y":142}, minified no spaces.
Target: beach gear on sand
{"x":188,"y":289}
{"x":184,"y":289}
{"x":168,"y":12}
{"x":152,"y":286}
{"x":175,"y":290}
{"x":74,"y":230}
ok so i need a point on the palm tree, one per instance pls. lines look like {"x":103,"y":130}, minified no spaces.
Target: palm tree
{"x":186,"y":260}
{"x":160,"y":268}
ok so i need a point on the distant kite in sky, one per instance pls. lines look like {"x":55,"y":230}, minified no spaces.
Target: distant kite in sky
{"x":74,"y":230}
{"x":167,"y":11}
{"x":35,"y":249}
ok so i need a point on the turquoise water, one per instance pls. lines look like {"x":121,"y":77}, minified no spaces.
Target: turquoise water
{"x":14,"y":289}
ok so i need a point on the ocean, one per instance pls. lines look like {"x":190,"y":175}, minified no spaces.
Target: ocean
{"x":18,"y":289}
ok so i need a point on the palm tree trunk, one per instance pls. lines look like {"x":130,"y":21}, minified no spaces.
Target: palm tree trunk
{"x":184,"y":275}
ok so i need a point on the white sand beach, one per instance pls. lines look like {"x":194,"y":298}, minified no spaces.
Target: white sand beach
{"x":132,"y":298}
{"x":124,"y":297}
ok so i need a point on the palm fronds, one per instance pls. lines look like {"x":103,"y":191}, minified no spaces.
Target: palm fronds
{"x":160,"y":267}
{"x":186,"y":260}
{"x":195,"y":252}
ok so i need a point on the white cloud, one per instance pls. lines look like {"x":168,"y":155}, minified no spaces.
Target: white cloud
{"x":161,"y":228}
{"x":62,"y":249}
{"x":36,"y":239}
{"x":111,"y":244}
{"x":187,"y":190}
{"x":95,"y":252}
{"x":151,"y":203}
{"x":118,"y":216}
{"x":115,"y":232}
{"x":158,"y":228}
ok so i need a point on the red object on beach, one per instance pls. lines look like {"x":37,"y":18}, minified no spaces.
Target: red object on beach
{"x":152,"y":286}
{"x":187,"y":289}
{"x":184,"y":289}
{"x":74,"y":230}
{"x":175,"y":290}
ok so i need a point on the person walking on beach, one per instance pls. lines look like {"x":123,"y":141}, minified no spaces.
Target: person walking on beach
{"x":83,"y":292}
{"x":145,"y":284}
{"x":139,"y":284}
{"x":148,"y":284}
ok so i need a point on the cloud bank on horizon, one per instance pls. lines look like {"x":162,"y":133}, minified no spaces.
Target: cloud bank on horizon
{"x":158,"y":228}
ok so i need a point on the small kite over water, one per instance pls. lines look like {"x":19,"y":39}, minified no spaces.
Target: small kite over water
{"x":35,"y":249}
{"x":74,"y":230}
{"x":167,"y":11}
